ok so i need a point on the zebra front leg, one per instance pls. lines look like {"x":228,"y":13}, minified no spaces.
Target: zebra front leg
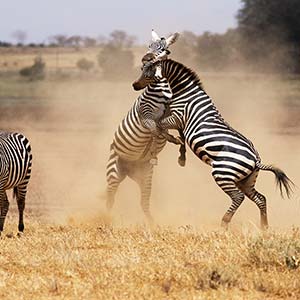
{"x":171,"y":122}
{"x":172,"y":139}
{"x":151,"y":125}
{"x":182,"y":151}
{"x":4,"y":205}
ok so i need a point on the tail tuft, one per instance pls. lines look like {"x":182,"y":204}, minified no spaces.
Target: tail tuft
{"x":282,"y":181}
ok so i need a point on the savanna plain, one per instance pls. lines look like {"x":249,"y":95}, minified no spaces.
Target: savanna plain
{"x":70,"y":249}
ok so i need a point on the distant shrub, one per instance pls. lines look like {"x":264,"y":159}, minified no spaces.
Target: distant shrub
{"x":84,"y":64}
{"x":116,"y":62}
{"x":116,"y":59}
{"x":5,"y":44}
{"x":36,"y":71}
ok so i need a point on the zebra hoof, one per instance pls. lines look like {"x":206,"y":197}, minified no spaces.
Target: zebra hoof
{"x":10,"y":235}
{"x":177,"y":141}
{"x":224,"y":225}
{"x":21,"y":227}
{"x":19,"y":234}
{"x":153,"y":161}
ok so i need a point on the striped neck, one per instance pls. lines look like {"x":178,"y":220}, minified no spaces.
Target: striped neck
{"x":180,"y":78}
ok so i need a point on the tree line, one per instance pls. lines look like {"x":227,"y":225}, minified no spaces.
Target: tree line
{"x":266,"y":39}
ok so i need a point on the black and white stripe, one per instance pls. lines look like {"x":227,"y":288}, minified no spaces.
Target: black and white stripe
{"x":137,"y":141}
{"x":15,"y":171}
{"x":234,"y":160}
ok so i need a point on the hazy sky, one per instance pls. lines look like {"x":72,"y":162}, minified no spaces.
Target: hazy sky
{"x":43,"y":18}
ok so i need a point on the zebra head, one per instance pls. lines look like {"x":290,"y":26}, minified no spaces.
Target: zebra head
{"x":159,"y":46}
{"x":151,"y":72}
{"x":158,"y":51}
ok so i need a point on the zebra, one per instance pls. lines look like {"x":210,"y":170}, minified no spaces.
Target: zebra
{"x":132,"y":152}
{"x":15,"y":172}
{"x":234,"y":160}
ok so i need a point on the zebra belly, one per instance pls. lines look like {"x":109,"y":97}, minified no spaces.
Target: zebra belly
{"x":138,"y":151}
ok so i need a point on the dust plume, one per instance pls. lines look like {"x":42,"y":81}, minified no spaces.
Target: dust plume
{"x":72,"y":128}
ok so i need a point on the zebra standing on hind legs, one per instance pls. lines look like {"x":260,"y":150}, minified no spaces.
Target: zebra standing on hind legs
{"x":137,"y":142}
{"x":234,"y":160}
{"x":15,"y":171}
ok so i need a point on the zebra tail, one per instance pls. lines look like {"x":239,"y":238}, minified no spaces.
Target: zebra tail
{"x":281,"y":178}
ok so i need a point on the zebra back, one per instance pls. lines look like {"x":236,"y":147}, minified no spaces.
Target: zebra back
{"x":191,"y":105}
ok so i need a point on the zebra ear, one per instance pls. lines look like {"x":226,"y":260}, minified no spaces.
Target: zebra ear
{"x":172,"y":39}
{"x":155,"y":36}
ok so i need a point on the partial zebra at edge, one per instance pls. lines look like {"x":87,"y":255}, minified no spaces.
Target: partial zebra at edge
{"x":15,"y":166}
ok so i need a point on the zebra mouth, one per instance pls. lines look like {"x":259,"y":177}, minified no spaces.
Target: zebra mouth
{"x":137,"y":86}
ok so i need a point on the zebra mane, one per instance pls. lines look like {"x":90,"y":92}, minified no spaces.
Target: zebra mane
{"x":192,"y":74}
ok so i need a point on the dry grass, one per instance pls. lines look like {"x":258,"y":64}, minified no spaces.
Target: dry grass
{"x":96,"y":261}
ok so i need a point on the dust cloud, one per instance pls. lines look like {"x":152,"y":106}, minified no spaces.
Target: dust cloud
{"x":73,"y":129}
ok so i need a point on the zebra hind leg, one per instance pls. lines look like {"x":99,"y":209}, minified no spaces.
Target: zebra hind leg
{"x":237,"y":198}
{"x":236,"y":195}
{"x":153,"y":150}
{"x":142,"y":174}
{"x":4,"y":205}
{"x":114,"y":176}
{"x":112,"y":187}
{"x":247,"y":186}
{"x":261,"y":202}
{"x":20,"y":194}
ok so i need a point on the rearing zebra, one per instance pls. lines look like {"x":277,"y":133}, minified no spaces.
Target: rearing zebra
{"x":137,"y":142}
{"x":15,"y":171}
{"x":235,"y":162}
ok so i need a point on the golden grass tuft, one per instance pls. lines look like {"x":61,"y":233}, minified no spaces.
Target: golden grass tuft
{"x":94,"y":260}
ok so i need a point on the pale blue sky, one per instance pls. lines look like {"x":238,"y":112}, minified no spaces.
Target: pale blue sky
{"x":43,"y":18}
